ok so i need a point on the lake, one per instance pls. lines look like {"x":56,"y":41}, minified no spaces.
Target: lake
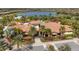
{"x":37,"y":14}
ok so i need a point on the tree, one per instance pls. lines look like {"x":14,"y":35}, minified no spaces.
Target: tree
{"x":32,"y":31}
{"x":18,"y":40}
{"x":1,"y":31}
{"x":4,"y":20}
{"x":65,"y":47}
{"x":46,"y":32}
{"x":50,"y":48}
{"x":17,"y":31}
{"x":23,"y":19}
{"x":18,"y":37}
{"x":4,"y":46}
{"x":8,"y":32}
{"x":75,"y":27}
{"x":44,"y":18}
{"x":62,"y":31}
{"x":11,"y":18}
{"x":30,"y":17}
{"x":33,"y":17}
{"x":7,"y":19}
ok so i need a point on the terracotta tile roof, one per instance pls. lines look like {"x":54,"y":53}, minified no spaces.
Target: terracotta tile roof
{"x":24,"y":27}
{"x":55,"y":27}
{"x":67,"y":28}
{"x":34,"y":22}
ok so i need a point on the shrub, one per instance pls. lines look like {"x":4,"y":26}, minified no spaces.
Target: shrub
{"x":65,"y":47}
{"x":50,"y":48}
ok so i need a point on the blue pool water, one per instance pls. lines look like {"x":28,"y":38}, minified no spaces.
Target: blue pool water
{"x":37,"y":14}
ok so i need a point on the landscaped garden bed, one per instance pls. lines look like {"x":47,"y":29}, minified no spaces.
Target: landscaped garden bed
{"x":46,"y":39}
{"x":56,"y":38}
{"x":50,"y":47}
{"x":29,"y":40}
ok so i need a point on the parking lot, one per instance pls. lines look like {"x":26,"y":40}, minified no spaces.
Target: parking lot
{"x":72,"y":45}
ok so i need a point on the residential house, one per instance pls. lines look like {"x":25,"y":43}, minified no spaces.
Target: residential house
{"x":55,"y":28}
{"x":36,"y":24}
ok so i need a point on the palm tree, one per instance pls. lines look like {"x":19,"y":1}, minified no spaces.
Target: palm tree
{"x":1,"y":31}
{"x":18,"y":40}
{"x":8,"y":32}
{"x":44,"y":18}
{"x":46,"y":32}
{"x":32,"y":31}
{"x":18,"y":37}
{"x":41,"y":29}
{"x":17,"y":31}
{"x":3,"y":46}
{"x":62,"y":31}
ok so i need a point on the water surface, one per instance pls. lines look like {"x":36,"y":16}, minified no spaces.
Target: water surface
{"x":37,"y":14}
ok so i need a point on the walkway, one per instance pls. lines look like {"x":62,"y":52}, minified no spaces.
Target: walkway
{"x":37,"y":42}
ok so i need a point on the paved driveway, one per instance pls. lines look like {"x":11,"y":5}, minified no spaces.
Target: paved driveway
{"x":38,"y":48}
